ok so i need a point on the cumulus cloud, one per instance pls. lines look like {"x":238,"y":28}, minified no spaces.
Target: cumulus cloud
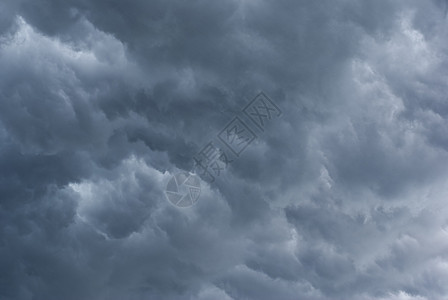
{"x":343,"y":196}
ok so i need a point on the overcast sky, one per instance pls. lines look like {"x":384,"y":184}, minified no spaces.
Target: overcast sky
{"x":343,"y":195}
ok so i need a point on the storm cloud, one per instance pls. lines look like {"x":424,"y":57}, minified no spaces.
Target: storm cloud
{"x":342,"y":196}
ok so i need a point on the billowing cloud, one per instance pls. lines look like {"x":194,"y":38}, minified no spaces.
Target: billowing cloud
{"x":341,"y":196}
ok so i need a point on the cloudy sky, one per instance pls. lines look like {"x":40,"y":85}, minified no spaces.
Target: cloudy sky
{"x":342,"y":196}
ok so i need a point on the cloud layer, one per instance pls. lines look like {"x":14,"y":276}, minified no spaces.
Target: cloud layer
{"x":342,"y":197}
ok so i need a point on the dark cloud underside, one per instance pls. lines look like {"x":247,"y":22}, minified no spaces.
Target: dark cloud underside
{"x":341,"y":197}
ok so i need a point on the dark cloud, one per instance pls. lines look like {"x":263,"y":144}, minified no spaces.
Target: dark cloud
{"x":341,"y":197}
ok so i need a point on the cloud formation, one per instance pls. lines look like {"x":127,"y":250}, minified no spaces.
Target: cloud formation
{"x":342,"y":197}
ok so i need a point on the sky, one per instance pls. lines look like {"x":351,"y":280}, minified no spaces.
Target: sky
{"x":340,"y":194}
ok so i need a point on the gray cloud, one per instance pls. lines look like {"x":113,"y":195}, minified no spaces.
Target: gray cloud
{"x":342,"y":197}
